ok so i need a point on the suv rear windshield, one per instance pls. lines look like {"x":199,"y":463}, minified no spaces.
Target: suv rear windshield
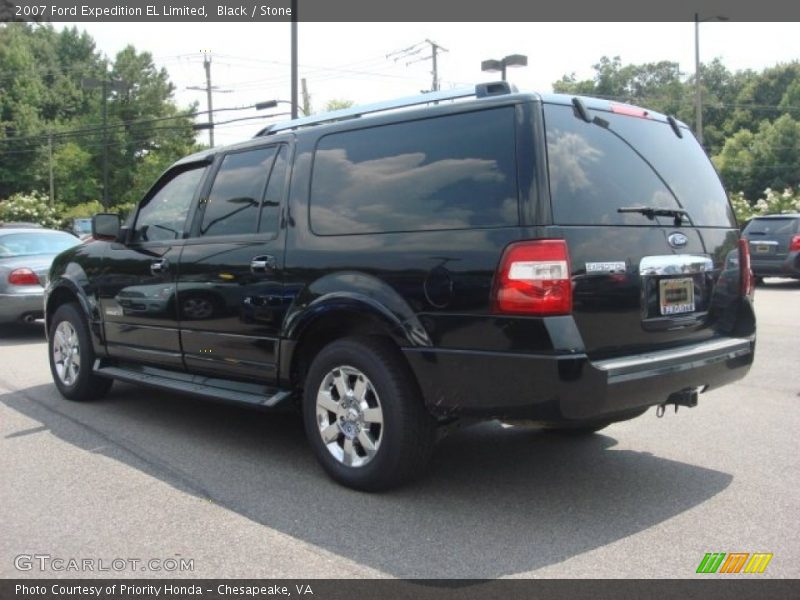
{"x":596,"y":169}
{"x":772,"y":226}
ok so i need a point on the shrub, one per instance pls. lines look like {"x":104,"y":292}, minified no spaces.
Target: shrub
{"x":32,"y":207}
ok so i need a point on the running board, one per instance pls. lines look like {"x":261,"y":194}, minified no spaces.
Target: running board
{"x":197,"y":385}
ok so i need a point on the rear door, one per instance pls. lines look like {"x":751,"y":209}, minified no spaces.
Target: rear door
{"x":136,"y":290}
{"x":230,"y":300}
{"x":641,"y":281}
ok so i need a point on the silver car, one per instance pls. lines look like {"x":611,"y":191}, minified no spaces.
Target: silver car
{"x":25,"y":258}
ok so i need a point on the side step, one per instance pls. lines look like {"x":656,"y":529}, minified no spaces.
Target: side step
{"x":212,"y":388}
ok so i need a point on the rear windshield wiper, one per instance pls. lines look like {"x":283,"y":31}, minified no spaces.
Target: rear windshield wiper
{"x":651,"y":213}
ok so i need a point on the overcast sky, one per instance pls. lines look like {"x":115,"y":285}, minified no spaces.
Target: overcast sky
{"x":349,"y":61}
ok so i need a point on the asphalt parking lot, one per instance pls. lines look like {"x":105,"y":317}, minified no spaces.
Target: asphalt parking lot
{"x":149,"y":475}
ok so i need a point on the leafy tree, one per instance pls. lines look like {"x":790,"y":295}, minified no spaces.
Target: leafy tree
{"x":338,"y":104}
{"x":43,"y":91}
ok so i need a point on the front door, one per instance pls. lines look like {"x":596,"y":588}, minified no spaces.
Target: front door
{"x":137,"y":291}
{"x":230,"y":302}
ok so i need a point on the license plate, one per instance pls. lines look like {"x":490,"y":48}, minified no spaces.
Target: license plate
{"x":676,"y":296}
{"x":762,"y":248}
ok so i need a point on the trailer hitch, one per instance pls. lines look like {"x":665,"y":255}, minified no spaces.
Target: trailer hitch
{"x":685,"y":397}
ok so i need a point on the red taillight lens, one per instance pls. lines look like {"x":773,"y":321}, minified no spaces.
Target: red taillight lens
{"x":533,"y":279}
{"x":23,"y":277}
{"x":746,"y":279}
{"x":795,"y":243}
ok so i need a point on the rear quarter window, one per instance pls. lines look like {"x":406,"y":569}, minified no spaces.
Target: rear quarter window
{"x":451,"y":172}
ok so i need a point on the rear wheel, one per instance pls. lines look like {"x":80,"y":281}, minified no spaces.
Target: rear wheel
{"x":364,"y":416}
{"x":72,"y":356}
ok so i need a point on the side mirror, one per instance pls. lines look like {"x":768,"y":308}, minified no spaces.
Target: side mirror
{"x":105,"y":226}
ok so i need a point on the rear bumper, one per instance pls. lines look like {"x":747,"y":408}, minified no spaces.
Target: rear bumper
{"x":563,"y":388}
{"x":13,"y":307}
{"x":785,"y":267}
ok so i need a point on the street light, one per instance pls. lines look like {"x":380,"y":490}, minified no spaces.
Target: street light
{"x":273,"y":103}
{"x":512,"y":60}
{"x":698,"y":94}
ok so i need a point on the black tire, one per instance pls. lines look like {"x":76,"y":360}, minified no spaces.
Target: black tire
{"x":407,"y":432}
{"x":758,"y":280}
{"x":85,"y":385}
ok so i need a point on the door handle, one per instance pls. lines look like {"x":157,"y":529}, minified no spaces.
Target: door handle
{"x":262,"y":264}
{"x":158,"y":267}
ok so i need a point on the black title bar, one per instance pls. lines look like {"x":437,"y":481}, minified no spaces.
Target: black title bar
{"x":383,"y":11}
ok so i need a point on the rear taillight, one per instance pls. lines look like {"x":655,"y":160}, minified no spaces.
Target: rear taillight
{"x":746,"y":279}
{"x":23,"y":277}
{"x":795,"y":243}
{"x":533,"y":279}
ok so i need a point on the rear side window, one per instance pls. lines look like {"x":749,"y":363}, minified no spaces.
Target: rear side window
{"x":453,"y":172}
{"x":771,"y":226}
{"x":596,"y":169}
{"x":235,"y":197}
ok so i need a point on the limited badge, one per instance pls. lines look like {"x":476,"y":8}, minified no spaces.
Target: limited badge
{"x":606,"y":267}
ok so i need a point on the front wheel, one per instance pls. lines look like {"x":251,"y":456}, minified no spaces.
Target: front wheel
{"x":364,"y":415}
{"x":71,"y":356}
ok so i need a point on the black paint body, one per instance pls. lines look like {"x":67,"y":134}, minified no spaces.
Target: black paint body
{"x":430,"y":291}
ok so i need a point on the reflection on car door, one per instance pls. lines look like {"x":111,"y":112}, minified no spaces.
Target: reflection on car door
{"x":137,"y":298}
{"x":230,"y":303}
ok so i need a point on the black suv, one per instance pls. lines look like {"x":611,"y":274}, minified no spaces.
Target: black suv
{"x":774,"y":245}
{"x":393,"y":268}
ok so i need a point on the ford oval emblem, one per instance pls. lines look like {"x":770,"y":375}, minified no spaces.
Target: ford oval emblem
{"x":677,"y":240}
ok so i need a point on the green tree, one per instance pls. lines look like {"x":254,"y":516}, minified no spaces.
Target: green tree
{"x":769,"y":158}
{"x":42,"y":92}
{"x":337,"y":104}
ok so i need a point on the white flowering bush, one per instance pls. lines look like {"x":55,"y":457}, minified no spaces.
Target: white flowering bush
{"x":32,"y":207}
{"x":773,"y":203}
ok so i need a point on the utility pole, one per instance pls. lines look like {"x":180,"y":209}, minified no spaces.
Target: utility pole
{"x":416,"y":49}
{"x":306,"y":98}
{"x":434,"y":57}
{"x":105,"y":85}
{"x":698,"y":86}
{"x":294,"y":59}
{"x":209,"y":90}
{"x":207,"y":67}
{"x":50,"y":155}
{"x":698,"y":94}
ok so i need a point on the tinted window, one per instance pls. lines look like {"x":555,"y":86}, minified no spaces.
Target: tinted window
{"x":29,"y":244}
{"x":771,"y":226}
{"x":451,"y":172}
{"x":594,"y":170}
{"x":270,"y":208}
{"x":236,"y":193}
{"x":164,"y":215}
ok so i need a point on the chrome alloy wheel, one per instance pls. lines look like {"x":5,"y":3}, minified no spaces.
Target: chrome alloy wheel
{"x":349,"y":416}
{"x":66,"y":353}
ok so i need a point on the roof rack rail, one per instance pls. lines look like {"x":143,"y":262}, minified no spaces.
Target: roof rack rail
{"x":480,"y":90}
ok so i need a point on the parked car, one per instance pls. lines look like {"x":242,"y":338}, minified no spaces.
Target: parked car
{"x":82,"y":228}
{"x":774,"y":245}
{"x":390,"y":269}
{"x":25,"y":258}
{"x":20,"y":225}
